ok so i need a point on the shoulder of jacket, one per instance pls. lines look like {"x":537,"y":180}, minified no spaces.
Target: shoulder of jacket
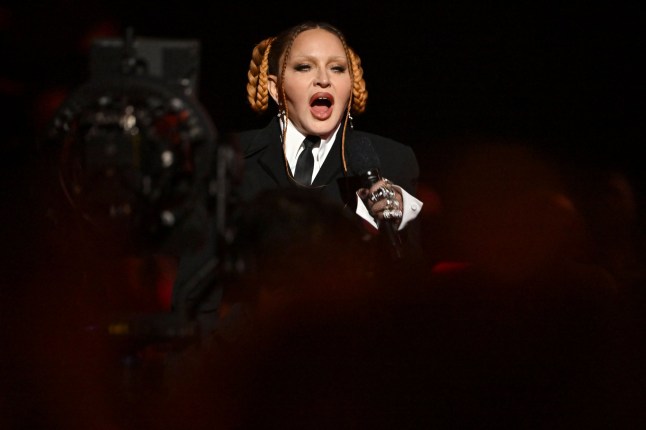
{"x":254,"y":140}
{"x":382,"y":141}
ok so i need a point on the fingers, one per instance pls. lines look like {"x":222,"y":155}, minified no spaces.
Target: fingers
{"x":381,"y":189}
{"x":383,"y":192}
{"x":363,"y":193}
{"x":384,"y":201}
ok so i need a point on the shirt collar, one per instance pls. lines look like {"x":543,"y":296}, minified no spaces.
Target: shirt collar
{"x":294,"y":140}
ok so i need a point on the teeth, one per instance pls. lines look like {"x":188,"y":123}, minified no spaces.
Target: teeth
{"x":322,"y":100}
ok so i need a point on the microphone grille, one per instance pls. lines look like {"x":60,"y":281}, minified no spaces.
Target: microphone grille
{"x":361,"y":156}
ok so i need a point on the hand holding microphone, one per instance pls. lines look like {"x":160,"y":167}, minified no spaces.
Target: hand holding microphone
{"x":382,"y":200}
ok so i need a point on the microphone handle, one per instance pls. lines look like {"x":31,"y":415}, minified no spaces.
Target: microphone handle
{"x":370,"y":178}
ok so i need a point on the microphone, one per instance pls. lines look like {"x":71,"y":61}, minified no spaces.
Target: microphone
{"x":364,"y":163}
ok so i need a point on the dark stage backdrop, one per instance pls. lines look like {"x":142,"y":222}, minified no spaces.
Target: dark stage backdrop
{"x":570,"y":73}
{"x":567,"y":76}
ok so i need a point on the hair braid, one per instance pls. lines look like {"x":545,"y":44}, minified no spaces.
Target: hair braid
{"x":264,"y":63}
{"x":257,"y":86}
{"x":359,"y":92}
{"x":266,"y":60}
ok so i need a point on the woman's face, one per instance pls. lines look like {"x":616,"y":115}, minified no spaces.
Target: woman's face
{"x":317,"y":82}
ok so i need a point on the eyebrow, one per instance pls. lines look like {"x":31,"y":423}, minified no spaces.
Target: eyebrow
{"x":311,"y":57}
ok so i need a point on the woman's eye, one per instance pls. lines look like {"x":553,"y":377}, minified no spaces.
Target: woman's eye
{"x":302,"y":67}
{"x":339,"y":69}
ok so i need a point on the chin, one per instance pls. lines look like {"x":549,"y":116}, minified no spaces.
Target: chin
{"x":331,"y":123}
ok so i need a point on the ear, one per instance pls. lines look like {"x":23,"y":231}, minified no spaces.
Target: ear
{"x":273,"y":87}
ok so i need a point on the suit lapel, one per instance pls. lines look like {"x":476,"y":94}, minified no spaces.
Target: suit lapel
{"x":272,"y":159}
{"x":332,"y":167}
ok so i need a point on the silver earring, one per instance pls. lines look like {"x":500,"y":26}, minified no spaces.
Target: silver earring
{"x":281,"y":113}
{"x":350,"y":118}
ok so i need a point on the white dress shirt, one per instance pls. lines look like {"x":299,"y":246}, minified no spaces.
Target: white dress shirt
{"x":293,"y":147}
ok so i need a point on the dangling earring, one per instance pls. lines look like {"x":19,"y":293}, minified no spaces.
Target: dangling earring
{"x":350,"y":119}
{"x":281,"y":113}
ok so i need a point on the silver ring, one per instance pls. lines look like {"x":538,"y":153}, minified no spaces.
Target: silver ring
{"x":376,"y":196}
{"x":392,"y":213}
{"x":379,"y":194}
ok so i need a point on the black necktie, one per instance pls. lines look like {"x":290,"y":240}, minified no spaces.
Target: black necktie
{"x":305,"y":163}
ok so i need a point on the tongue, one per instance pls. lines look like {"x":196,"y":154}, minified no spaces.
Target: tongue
{"x":321,"y":112}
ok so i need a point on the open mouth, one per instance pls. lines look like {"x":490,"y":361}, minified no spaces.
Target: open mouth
{"x":321,"y":105}
{"x":321,"y":102}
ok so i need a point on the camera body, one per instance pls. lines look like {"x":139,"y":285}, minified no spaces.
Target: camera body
{"x":136,"y":149}
{"x":174,"y":63}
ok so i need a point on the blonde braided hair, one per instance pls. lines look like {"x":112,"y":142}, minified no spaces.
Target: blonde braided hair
{"x":359,"y":92}
{"x":258,"y":87}
{"x":265,"y":60}
{"x":262,"y":65}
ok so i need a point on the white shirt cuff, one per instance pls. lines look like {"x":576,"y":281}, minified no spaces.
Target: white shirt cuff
{"x":411,"y":209}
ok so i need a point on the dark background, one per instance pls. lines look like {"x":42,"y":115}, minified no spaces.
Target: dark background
{"x":570,"y":72}
{"x":569,"y":77}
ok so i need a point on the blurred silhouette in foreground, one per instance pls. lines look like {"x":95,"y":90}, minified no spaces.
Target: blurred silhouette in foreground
{"x":523,"y":336}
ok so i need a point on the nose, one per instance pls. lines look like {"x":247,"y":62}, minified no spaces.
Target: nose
{"x":322,"y":79}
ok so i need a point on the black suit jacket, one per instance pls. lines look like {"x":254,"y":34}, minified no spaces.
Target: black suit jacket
{"x":265,"y":169}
